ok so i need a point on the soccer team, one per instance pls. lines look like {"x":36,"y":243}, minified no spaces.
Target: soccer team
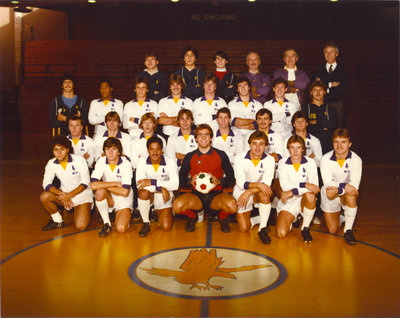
{"x":263,"y":154}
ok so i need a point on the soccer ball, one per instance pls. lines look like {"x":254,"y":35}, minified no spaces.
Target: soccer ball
{"x":204,"y":182}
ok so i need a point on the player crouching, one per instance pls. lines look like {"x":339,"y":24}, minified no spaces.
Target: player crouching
{"x":298,"y":178}
{"x":254,"y":172}
{"x":157,"y":177}
{"x":111,"y":180}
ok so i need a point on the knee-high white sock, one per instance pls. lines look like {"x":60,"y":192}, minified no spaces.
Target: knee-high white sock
{"x":264,"y":210}
{"x":56,"y":217}
{"x":254,"y":220}
{"x":307,"y":217}
{"x":144,"y":209}
{"x":349,"y":217}
{"x":102,"y":206}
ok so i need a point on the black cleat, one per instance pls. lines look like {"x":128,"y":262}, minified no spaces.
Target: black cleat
{"x":349,"y":237}
{"x":112,"y":216}
{"x":212,"y":217}
{"x":297,"y":221}
{"x":53,"y":225}
{"x":305,"y":233}
{"x":263,"y":235}
{"x":153,"y":215}
{"x":190,"y":225}
{"x":106,"y":228}
{"x":145,"y":229}
{"x":225,"y":227}
{"x":136,"y":215}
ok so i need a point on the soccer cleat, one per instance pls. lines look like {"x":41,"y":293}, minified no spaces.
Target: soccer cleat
{"x":136,"y":215}
{"x":53,"y":225}
{"x":212,"y":217}
{"x":349,"y":237}
{"x":263,"y":235}
{"x":190,"y":225}
{"x":145,"y":229}
{"x":105,"y":229}
{"x":225,"y":227}
{"x":297,"y":221}
{"x":305,"y":233}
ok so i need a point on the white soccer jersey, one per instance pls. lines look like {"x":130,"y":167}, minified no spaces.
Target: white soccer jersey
{"x":232,"y":144}
{"x":240,"y":110}
{"x":338,"y":176}
{"x":123,"y":137}
{"x":98,"y":111}
{"x":168,"y":106}
{"x":132,"y":109}
{"x":84,"y":145}
{"x":165,"y":176}
{"x":281,"y":116}
{"x":139,"y":148}
{"x":313,"y":145}
{"x":122,"y":172}
{"x":204,"y":113}
{"x":295,"y":180}
{"x":177,"y":143}
{"x":275,"y":143}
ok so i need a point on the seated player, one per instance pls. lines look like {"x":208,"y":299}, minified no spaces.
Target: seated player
{"x":226,"y":80}
{"x":298,"y":178}
{"x":113,"y":122}
{"x":282,"y":109}
{"x":213,"y":161}
{"x":111,"y":181}
{"x":183,"y":142}
{"x":134,"y":109}
{"x":74,"y":193}
{"x":205,"y":108}
{"x":82,"y":144}
{"x":244,"y":108}
{"x":169,"y":107}
{"x":192,"y":76}
{"x":341,"y":171}
{"x":226,"y":138}
{"x":157,"y":176}
{"x":99,"y":108}
{"x":254,"y":172}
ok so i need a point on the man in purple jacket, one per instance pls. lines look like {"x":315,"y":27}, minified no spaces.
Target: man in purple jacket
{"x":261,"y":83}
{"x":297,"y":79}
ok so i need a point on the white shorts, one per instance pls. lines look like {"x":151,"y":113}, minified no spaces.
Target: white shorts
{"x":292,"y":205}
{"x":159,"y":202}
{"x":121,"y":202}
{"x":330,"y":206}
{"x":86,"y":196}
{"x":250,"y":203}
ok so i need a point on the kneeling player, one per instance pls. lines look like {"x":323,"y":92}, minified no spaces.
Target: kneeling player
{"x":341,"y":171}
{"x":254,"y":171}
{"x":111,"y":179}
{"x":157,"y":177}
{"x":298,"y":178}
{"x":213,"y":161}
{"x":73,"y":173}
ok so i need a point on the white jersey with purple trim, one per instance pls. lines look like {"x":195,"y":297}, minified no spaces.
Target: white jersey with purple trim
{"x":281,"y":116}
{"x":139,"y":148}
{"x":178,"y":143}
{"x":232,"y":143}
{"x":123,"y":137}
{"x":240,"y":110}
{"x":275,"y":142}
{"x":134,"y":110}
{"x":168,"y":106}
{"x":204,"y":113}
{"x":165,"y":175}
{"x":84,"y":145}
{"x":336,"y":175}
{"x":292,"y":179}
{"x":122,"y":172}
{"x":98,"y":111}
{"x":76,"y":173}
{"x":313,"y":145}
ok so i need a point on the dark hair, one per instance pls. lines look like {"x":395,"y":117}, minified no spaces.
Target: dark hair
{"x":299,"y":114}
{"x":67,"y":77}
{"x":104,"y":80}
{"x":154,"y":139}
{"x":150,"y":54}
{"x":141,"y":79}
{"x":317,"y":83}
{"x":278,"y":81}
{"x":224,"y":110}
{"x":176,"y":78}
{"x":190,"y":48}
{"x":210,"y":77}
{"x":203,"y":126}
{"x":341,"y":133}
{"x":62,"y":141}
{"x":264,"y":111}
{"x":295,"y":138}
{"x":221,"y":54}
{"x":76,"y":117}
{"x":185,"y":111}
{"x":258,"y":135}
{"x":331,"y":44}
{"x":112,"y":142}
{"x":242,"y":79}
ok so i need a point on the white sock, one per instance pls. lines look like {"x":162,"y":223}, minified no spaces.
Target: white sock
{"x":341,"y":218}
{"x":102,"y":206}
{"x":56,"y":217}
{"x":254,"y":220}
{"x":264,"y":210}
{"x":275,"y":202}
{"x":349,"y":217}
{"x":307,"y":217}
{"x":144,"y":209}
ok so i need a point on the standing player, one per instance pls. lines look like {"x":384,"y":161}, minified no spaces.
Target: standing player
{"x":99,"y":108}
{"x":226,"y":81}
{"x":111,"y":181}
{"x":298,"y":178}
{"x":341,"y":171}
{"x":254,"y":172}
{"x":157,"y":177}
{"x":213,"y":161}
{"x":73,"y":173}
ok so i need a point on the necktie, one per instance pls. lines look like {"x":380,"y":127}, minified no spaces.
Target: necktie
{"x":330,"y":69}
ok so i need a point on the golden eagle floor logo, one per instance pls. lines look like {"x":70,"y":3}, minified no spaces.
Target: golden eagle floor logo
{"x":201,"y":272}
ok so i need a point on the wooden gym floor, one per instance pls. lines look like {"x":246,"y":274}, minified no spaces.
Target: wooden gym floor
{"x":65,"y":273}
